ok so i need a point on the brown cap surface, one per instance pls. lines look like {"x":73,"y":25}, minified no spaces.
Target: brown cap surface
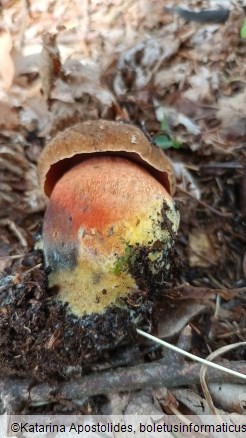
{"x":103,"y":137}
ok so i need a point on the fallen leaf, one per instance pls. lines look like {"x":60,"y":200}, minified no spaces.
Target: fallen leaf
{"x":6,"y":63}
{"x":199,"y":294}
{"x":232,"y":113}
{"x":165,"y":142}
{"x":194,"y":402}
{"x":137,"y":65}
{"x":172,"y":74}
{"x":9,"y":118}
{"x":202,"y":251}
{"x":25,"y":64}
{"x":175,"y":118}
{"x":142,"y":402}
{"x":203,"y":85}
{"x":231,"y":397}
{"x":165,"y":398}
{"x":79,"y":80}
{"x":174,"y":320}
{"x":185,"y":180}
{"x":243,"y":30}
{"x":50,"y":64}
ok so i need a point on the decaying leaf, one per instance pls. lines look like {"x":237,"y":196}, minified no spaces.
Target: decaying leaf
{"x":18,"y":183}
{"x":80,"y":80}
{"x":193,"y":401}
{"x":200,"y":295}
{"x":175,"y":118}
{"x":33,"y":194}
{"x":137,"y":66}
{"x":6,"y":63}
{"x":166,"y":399}
{"x":203,"y":251}
{"x":232,"y":113}
{"x":203,"y":85}
{"x":185,"y":180}
{"x":142,"y":402}
{"x":230,"y":397}
{"x":172,"y":74}
{"x":50,"y":64}
{"x":173,"y":321}
{"x":9,"y":118}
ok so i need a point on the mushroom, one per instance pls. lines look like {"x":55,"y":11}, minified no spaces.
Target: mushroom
{"x":110,"y":224}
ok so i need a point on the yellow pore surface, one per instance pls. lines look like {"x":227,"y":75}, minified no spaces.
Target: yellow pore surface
{"x":112,"y":203}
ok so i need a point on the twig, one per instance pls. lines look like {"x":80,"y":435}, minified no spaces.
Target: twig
{"x":219,"y":213}
{"x":204,"y":368}
{"x":15,"y":230}
{"x":15,"y":392}
{"x":227,"y":165}
{"x":12,"y":257}
{"x":239,"y":332}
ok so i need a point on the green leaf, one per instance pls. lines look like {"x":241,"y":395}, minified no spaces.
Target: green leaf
{"x":176,"y":144}
{"x":164,"y":125}
{"x":164,"y":142}
{"x":243,"y":30}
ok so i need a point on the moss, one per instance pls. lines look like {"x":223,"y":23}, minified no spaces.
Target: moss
{"x":127,"y":259}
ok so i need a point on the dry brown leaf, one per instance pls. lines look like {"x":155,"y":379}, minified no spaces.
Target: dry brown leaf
{"x":18,"y":183}
{"x":76,"y":94}
{"x":137,"y":66}
{"x":203,"y":85}
{"x":211,"y":357}
{"x":6,"y":63}
{"x":172,"y":74}
{"x":118,"y":402}
{"x":174,"y":118}
{"x":199,"y":294}
{"x":165,"y":398}
{"x":232,"y":113}
{"x":142,"y":402}
{"x":230,"y":397}
{"x":25,"y":64}
{"x":216,"y":43}
{"x":194,"y":402}
{"x":202,"y":249}
{"x":9,"y":118}
{"x":174,"y":320}
{"x":50,"y":64}
{"x":80,"y":80}
{"x":34,"y":197}
{"x":185,"y":180}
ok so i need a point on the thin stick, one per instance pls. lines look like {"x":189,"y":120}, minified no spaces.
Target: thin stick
{"x":14,"y":392}
{"x":204,"y":368}
{"x":192,"y":356}
{"x":199,"y":201}
{"x":12,"y":257}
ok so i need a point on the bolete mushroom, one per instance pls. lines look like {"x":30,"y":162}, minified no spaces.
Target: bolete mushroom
{"x":110,"y":223}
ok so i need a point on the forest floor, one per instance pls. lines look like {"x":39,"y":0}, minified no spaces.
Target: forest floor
{"x":182,"y":82}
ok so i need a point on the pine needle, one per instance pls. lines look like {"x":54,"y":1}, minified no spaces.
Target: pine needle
{"x":212,"y":356}
{"x":192,"y":356}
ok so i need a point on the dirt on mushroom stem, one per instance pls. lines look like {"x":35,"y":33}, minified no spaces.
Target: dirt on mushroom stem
{"x":41,"y":338}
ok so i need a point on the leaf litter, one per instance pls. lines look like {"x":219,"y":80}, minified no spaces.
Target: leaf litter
{"x":146,"y":64}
